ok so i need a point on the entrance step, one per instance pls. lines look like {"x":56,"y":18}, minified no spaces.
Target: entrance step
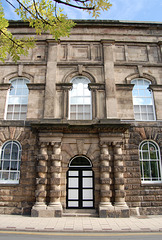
{"x":80,"y":213}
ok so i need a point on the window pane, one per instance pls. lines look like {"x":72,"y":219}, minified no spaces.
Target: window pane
{"x":13,"y":176}
{"x":145,"y":155}
{"x":6,"y":165}
{"x":143,"y":97}
{"x":80,"y":96}
{"x":5,"y":175}
{"x":154,"y":169}
{"x":146,"y":168}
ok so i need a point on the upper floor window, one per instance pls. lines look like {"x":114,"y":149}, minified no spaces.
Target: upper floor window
{"x":10,"y":162}
{"x":150,"y":162}
{"x":17,"y":100}
{"x":143,"y":100}
{"x":80,"y":106}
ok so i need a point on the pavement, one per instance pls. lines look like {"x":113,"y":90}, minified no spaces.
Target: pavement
{"x":81,"y":224}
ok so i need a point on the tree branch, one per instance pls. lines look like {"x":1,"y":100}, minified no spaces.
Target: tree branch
{"x":14,"y":42}
{"x":74,"y":6}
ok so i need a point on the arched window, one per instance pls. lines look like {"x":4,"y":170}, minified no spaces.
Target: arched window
{"x":143,"y":100}
{"x":10,"y":162}
{"x":150,"y":162}
{"x":17,"y":100}
{"x":80,"y":100}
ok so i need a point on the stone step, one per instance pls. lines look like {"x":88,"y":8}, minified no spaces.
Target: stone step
{"x":80,"y":213}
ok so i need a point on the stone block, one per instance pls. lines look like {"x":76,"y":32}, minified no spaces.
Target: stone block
{"x":105,"y":168}
{"x":55,"y":181}
{"x":55,"y":169}
{"x":41,"y":169}
{"x":119,"y":181}
{"x":120,"y":193}
{"x":105,"y":193}
{"x":39,"y":193}
{"x":54,"y":193}
{"x":57,"y":157}
{"x":105,"y":181}
{"x":118,"y":169}
{"x":41,"y":181}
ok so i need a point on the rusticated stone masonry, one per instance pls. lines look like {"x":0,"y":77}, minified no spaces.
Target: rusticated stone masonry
{"x":105,"y":204}
{"x":119,"y":177}
{"x":41,"y":181}
{"x":55,"y":182}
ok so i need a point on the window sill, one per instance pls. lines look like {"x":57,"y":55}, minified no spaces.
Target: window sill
{"x":151,"y":184}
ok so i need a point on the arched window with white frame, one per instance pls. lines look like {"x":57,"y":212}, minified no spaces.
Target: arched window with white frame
{"x":80,"y":103}
{"x":10,"y":162}
{"x":150,"y":162}
{"x":143,"y":102}
{"x":17,"y":99}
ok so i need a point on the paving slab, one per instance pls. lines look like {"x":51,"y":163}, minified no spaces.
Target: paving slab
{"x":81,"y":224}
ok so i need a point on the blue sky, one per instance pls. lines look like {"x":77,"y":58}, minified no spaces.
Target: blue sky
{"x":132,"y":10}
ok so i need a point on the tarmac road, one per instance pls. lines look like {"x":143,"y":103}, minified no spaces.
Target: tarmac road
{"x":8,"y":235}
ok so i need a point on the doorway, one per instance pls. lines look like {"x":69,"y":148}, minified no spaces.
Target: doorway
{"x":80,"y":183}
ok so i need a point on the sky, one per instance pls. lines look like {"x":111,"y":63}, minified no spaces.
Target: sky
{"x":129,"y":10}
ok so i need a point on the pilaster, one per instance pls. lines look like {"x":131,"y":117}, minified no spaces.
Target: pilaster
{"x":111,"y":102}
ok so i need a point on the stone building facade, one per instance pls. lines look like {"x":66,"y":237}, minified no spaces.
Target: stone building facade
{"x":81,"y":122}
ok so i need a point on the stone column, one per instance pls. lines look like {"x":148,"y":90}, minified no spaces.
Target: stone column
{"x":110,"y":89}
{"x":105,"y":204}
{"x":119,"y":178}
{"x":55,"y":183}
{"x":41,"y":182}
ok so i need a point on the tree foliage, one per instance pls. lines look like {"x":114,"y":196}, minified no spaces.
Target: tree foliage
{"x":44,"y":16}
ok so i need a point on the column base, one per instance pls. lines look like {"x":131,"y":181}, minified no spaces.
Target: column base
{"x":42,"y":210}
{"x":104,"y":209}
{"x":110,"y":211}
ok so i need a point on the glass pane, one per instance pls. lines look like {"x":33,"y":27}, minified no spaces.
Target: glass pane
{"x":6,"y":165}
{"x":15,"y":151}
{"x":153,"y":155}
{"x":73,"y":108}
{"x":87,"y":173}
{"x":151,"y":116}
{"x":72,"y":116}
{"x":13,"y":165}
{"x":17,"y":108}
{"x":145,"y":155}
{"x":10,"y":108}
{"x":87,"y":194}
{"x":145,"y":146}
{"x":22,"y":116}
{"x":150,"y":109}
{"x":87,"y":182}
{"x":73,"y":204}
{"x":9,"y":116}
{"x":73,"y":173}
{"x":13,"y":176}
{"x":87,"y":203}
{"x":73,"y":182}
{"x":80,"y":116}
{"x":16,"y":116}
{"x":154,"y":169}
{"x":136,"y":108}
{"x":80,"y":161}
{"x":87,"y":108}
{"x":80,"y":108}
{"x":73,"y":194}
{"x":137,"y":116}
{"x":87,"y":116}
{"x":5,"y":175}
{"x":144,"y":116}
{"x":7,"y":150}
{"x":146,"y":168}
{"x":143,"y":109}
